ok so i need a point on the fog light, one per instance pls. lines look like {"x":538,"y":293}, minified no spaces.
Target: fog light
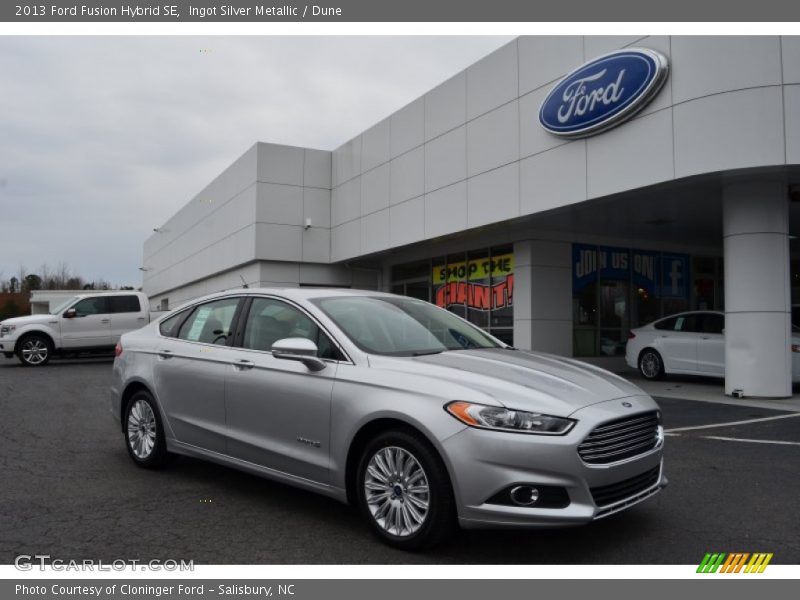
{"x":524,"y":495}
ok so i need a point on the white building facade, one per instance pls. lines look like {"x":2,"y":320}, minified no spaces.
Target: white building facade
{"x":563,"y":245}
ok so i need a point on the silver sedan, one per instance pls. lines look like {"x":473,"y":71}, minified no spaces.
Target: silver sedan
{"x":420,"y":419}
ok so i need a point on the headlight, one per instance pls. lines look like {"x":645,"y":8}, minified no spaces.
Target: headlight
{"x":503,"y":419}
{"x":7,"y":330}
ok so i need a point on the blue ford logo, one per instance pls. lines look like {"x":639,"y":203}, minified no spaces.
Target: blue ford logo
{"x":603,"y":92}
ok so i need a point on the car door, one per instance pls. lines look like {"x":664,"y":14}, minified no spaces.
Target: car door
{"x":192,"y":355}
{"x":127,"y":314}
{"x":91,"y":325}
{"x":677,"y":343}
{"x":711,"y":345}
{"x":279,"y":411}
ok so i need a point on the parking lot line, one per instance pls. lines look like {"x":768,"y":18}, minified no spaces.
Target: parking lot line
{"x":730,"y":439}
{"x":732,"y":423}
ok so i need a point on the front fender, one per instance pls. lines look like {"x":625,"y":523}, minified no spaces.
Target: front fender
{"x":53,"y":331}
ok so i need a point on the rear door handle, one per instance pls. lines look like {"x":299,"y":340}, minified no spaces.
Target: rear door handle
{"x":242,"y":365}
{"x":165,"y":354}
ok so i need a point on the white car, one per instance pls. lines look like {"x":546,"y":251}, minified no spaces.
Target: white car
{"x":689,"y":343}
{"x":85,"y":323}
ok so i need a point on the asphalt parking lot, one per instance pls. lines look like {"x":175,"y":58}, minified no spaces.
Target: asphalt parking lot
{"x":68,"y":489}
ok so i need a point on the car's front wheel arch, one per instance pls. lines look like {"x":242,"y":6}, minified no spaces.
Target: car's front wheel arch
{"x":365,"y":435}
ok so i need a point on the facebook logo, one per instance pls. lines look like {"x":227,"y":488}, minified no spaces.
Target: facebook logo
{"x":674,"y":275}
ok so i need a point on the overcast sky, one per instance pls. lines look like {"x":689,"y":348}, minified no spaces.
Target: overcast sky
{"x":104,"y":138}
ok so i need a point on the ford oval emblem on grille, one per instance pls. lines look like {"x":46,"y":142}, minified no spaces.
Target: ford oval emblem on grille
{"x":627,"y":405}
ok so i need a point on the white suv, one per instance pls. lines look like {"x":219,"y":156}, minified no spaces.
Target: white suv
{"x":84,"y":323}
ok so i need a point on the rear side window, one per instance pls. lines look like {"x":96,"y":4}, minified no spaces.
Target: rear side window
{"x":169,"y":327}
{"x":125,"y":304}
{"x":668,"y":324}
{"x":688,"y":323}
{"x":210,"y":323}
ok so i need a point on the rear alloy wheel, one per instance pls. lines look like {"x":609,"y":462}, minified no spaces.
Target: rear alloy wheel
{"x":404,"y":491}
{"x":650,"y":365}
{"x":144,"y":434}
{"x":35,"y":350}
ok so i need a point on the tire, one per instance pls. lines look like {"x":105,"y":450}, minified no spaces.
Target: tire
{"x":35,"y":350}
{"x":651,"y":365}
{"x":422,"y":469}
{"x":144,"y":432}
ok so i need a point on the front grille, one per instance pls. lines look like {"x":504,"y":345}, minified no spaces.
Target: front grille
{"x":609,"y":494}
{"x":620,"y":439}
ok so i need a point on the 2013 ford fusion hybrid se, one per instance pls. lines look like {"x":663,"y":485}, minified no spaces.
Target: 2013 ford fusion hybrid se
{"x":421,"y":419}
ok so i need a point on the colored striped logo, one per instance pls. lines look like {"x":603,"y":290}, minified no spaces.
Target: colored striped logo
{"x":736,"y":562}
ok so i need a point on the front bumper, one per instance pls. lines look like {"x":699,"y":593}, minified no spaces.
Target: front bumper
{"x":483,"y":463}
{"x":7,"y":343}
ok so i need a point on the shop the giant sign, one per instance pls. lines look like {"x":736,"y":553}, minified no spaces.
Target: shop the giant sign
{"x":482,"y":284}
{"x":663,"y":274}
{"x":603,"y":93}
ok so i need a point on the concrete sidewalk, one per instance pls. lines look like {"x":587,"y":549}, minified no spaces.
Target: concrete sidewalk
{"x":687,"y":387}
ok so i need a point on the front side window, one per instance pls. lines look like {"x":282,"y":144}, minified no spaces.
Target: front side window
{"x":401,"y":326}
{"x":91,"y":306}
{"x":210,"y":323}
{"x":270,"y":320}
{"x":713,"y":323}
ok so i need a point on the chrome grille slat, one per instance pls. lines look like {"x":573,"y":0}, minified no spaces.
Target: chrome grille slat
{"x":620,"y":439}
{"x":648,"y":445}
{"x":605,"y":450}
{"x":625,"y":423}
{"x":633,"y":433}
{"x":604,"y":436}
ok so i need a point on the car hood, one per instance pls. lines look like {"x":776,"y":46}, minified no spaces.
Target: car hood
{"x":29,"y":320}
{"x":515,"y":379}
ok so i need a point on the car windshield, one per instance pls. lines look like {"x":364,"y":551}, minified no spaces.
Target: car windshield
{"x":63,"y":306}
{"x":397,"y":326}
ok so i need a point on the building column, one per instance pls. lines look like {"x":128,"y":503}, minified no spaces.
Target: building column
{"x":543,"y":296}
{"x":755,"y":229}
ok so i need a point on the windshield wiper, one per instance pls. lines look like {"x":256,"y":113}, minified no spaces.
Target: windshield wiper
{"x":426,"y":352}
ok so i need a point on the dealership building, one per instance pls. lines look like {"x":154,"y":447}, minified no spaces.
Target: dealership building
{"x":557,"y":193}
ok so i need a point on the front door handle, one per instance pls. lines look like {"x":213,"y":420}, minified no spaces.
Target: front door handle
{"x":105,"y":320}
{"x":242,"y":365}
{"x":165,"y":354}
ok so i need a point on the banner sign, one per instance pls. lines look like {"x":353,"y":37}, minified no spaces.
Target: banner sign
{"x":664,"y":275}
{"x":481,"y":284}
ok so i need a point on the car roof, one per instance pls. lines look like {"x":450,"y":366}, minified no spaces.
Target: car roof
{"x":690,"y":312}
{"x":291,"y":293}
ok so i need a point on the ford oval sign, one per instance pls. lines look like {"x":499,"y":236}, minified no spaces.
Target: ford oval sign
{"x":603,"y":93}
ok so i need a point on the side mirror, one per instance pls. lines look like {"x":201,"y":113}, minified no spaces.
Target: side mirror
{"x":298,"y":349}
{"x":70,"y":313}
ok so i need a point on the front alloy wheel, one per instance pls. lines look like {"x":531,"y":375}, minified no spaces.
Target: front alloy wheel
{"x":404,"y":490}
{"x":144,"y":434}
{"x":397,"y":492}
{"x":34,"y":351}
{"x":650,"y":365}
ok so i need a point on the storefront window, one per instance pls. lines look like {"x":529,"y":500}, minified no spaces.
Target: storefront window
{"x":477,"y":285}
{"x":616,"y":289}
